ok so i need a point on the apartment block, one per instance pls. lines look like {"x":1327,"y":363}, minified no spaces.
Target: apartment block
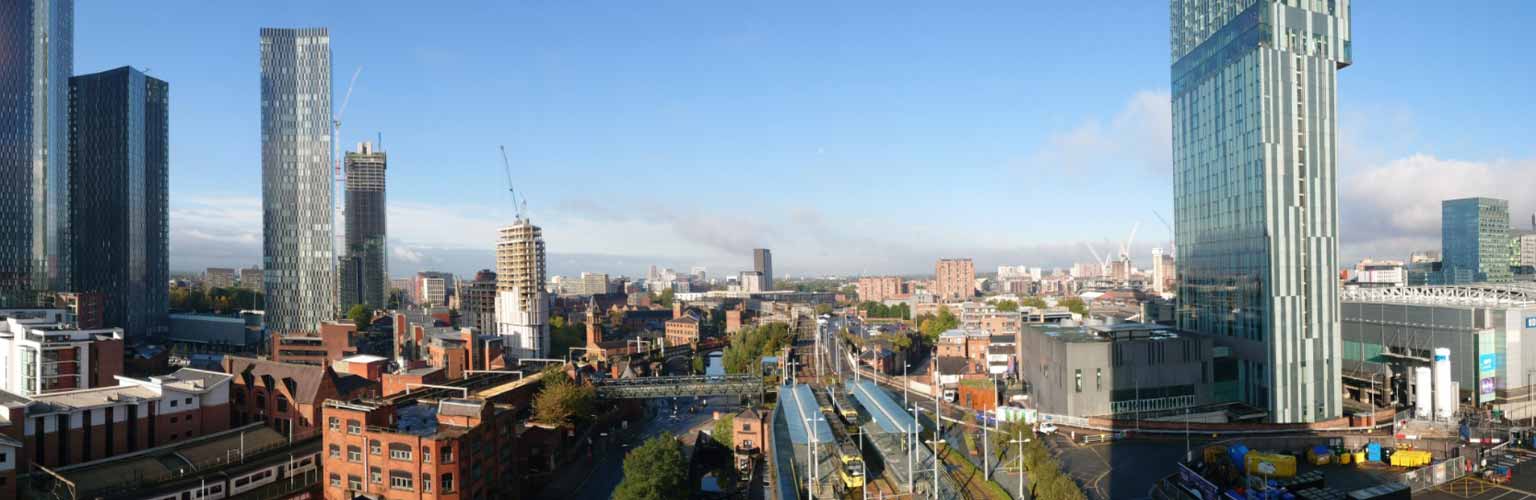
{"x":954,"y":279}
{"x":41,"y":351}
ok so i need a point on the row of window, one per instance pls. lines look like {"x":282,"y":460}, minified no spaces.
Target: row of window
{"x":398,"y":480}
{"x":397,"y":451}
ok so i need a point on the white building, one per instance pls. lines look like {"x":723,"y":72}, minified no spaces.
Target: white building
{"x":434,"y":291}
{"x":522,"y":304}
{"x":1162,"y":271}
{"x":751,"y":281}
{"x":41,"y":352}
{"x":1377,"y":273}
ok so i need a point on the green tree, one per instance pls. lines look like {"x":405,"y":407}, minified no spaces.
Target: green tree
{"x":665,"y":297}
{"x":561,"y":401}
{"x":655,"y":470}
{"x":360,"y":316}
{"x":396,"y":298}
{"x":1035,"y":302}
{"x":943,"y":322}
{"x":564,"y":335}
{"x":725,"y":431}
{"x":823,"y":309}
{"x":1006,"y":305}
{"x":1075,"y":304}
{"x":698,"y":364}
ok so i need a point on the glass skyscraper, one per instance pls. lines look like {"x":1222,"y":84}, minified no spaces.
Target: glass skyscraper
{"x":366,"y":269}
{"x":296,"y":187}
{"x":1474,"y":241}
{"x":36,"y":61}
{"x":1254,"y":151}
{"x":119,"y":173}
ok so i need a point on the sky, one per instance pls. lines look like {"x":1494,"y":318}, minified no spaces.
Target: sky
{"x":849,"y":137}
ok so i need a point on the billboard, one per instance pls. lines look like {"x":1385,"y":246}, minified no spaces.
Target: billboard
{"x":1487,"y":370}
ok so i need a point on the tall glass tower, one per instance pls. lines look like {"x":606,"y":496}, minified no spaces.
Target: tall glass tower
{"x":37,"y":57}
{"x":1254,"y":159}
{"x":119,"y":175}
{"x":366,"y":223}
{"x":296,"y":187}
{"x":1474,"y":241}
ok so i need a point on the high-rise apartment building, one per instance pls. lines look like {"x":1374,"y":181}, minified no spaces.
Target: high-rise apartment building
{"x":1474,"y":241}
{"x":1255,"y":137}
{"x":37,"y":52}
{"x":367,"y":268}
{"x":594,"y":283}
{"x":296,"y":186}
{"x":522,"y":305}
{"x":218,"y":277}
{"x":434,"y":291}
{"x":119,"y":184}
{"x":762,"y":262}
{"x":477,"y":302}
{"x":880,"y":288}
{"x":251,"y":279}
{"x":954,"y":279}
{"x":1162,"y":271}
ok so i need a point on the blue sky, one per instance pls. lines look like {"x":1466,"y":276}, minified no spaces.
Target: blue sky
{"x":855,"y":137}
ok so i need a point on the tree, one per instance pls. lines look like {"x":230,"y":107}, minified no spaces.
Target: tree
{"x":360,"y":316}
{"x":850,"y":292}
{"x":1035,"y":302}
{"x":747,"y":346}
{"x":943,"y":322}
{"x":561,"y":401}
{"x":725,"y":431}
{"x":655,"y":470}
{"x":1006,"y":305}
{"x":1075,"y":304}
{"x":564,"y":335}
{"x":665,"y":297}
{"x":823,"y":309}
{"x":698,"y":364}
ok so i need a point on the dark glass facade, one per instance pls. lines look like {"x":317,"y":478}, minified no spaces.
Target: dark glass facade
{"x":119,"y":144}
{"x":366,"y":253}
{"x":1474,"y":240}
{"x":36,"y":61}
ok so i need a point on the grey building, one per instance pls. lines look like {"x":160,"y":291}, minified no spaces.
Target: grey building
{"x":366,"y":254}
{"x":1255,"y":204}
{"x":1388,"y":332}
{"x":1474,"y":241}
{"x":209,"y":333}
{"x":37,"y":52}
{"x":762,"y":263}
{"x":119,"y":184}
{"x":477,"y":301}
{"x":1123,"y":369}
{"x":296,"y":186}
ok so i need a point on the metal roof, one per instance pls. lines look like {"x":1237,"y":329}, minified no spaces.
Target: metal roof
{"x":798,"y":405}
{"x":883,"y":409}
{"x":1476,"y":295}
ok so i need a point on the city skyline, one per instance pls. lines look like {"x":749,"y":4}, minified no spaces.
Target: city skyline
{"x":1404,"y":143}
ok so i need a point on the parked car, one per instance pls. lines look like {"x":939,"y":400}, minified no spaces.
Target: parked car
{"x":1047,"y":428}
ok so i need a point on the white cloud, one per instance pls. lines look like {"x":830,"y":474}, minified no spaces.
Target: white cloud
{"x":1140,"y":134}
{"x":1393,"y":208}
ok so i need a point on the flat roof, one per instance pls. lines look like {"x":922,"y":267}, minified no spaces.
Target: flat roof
{"x":799,"y":405}
{"x":1104,"y":333}
{"x":888,"y":415}
{"x":132,"y":471}
{"x":363,"y":358}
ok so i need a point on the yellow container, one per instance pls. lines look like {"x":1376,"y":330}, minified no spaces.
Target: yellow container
{"x":1411,"y":458}
{"x":1359,"y":458}
{"x":1344,"y":458}
{"x":1271,"y":465}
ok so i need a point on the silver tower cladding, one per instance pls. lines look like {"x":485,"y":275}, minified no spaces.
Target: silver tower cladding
{"x":36,"y":61}
{"x":1256,"y":209}
{"x":296,"y":186}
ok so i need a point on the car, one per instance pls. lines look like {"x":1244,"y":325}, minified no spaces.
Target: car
{"x":1047,"y":428}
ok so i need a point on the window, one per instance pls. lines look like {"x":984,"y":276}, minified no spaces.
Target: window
{"x":173,"y":420}
{"x":401,"y":480}
{"x":336,"y":480}
{"x":375,"y":475}
{"x":282,"y":403}
{"x":426,"y":454}
{"x":426,"y":483}
{"x":354,"y":454}
{"x":173,"y":403}
{"x":335,"y":424}
{"x":447,"y":455}
{"x":746,"y":427}
{"x":354,"y":483}
{"x":1098,"y":379}
{"x":173,"y":436}
{"x":187,"y":401}
{"x":399,"y":451}
{"x":375,"y":448}
{"x":1079,"y":377}
{"x":353,"y":427}
{"x":335,"y":451}
{"x":447,"y":483}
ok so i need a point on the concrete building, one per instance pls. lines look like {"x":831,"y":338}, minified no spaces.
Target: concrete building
{"x":477,"y":302}
{"x":333,"y":341}
{"x":434,"y":292}
{"x":1474,"y":240}
{"x":366,"y":252}
{"x":287,"y":397}
{"x":1258,"y":254}
{"x":34,"y":197}
{"x":1118,"y":369}
{"x":42,"y":352}
{"x":1390,"y":331}
{"x":751,"y":282}
{"x":119,"y":190}
{"x":218,"y":277}
{"x":954,"y":279}
{"x":522,"y":305}
{"x":296,"y":188}
{"x":1164,"y":272}
{"x":250,"y":279}
{"x":213,"y":333}
{"x":1379,"y":273}
{"x":762,"y":263}
{"x":1523,"y":248}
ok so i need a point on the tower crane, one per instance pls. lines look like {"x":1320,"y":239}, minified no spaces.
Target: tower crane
{"x":519,"y":207}
{"x":340,"y":174}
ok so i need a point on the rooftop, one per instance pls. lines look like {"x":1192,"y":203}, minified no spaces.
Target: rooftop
{"x":1104,"y":333}
{"x":363,"y":358}
{"x":157,"y":465}
{"x":1518,"y":294}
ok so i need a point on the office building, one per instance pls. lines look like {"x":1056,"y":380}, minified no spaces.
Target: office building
{"x":1255,"y":204}
{"x":1163,"y":271}
{"x":296,"y":187}
{"x":477,"y":302}
{"x":592,"y":284}
{"x":522,"y":305}
{"x":42,"y":351}
{"x":37,"y":52}
{"x":1375,"y":273}
{"x":762,"y":263}
{"x":1522,"y":249}
{"x":119,"y":184}
{"x":1474,"y":241}
{"x":1117,"y":370}
{"x":331,"y":342}
{"x":434,"y":292}
{"x":366,"y":228}
{"x":250,"y":279}
{"x":954,"y":279}
{"x":749,"y":281}
{"x":218,"y":277}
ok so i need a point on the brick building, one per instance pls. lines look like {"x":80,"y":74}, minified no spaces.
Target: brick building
{"x":287,"y":396}
{"x":881,"y":288}
{"x":334,"y":341}
{"x":682,"y":331}
{"x":954,"y":279}
{"x":63,"y":356}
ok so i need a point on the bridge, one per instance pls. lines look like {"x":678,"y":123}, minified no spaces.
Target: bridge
{"x":686,"y":386}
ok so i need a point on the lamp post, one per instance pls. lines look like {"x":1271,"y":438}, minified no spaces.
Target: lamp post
{"x":1021,"y":464}
{"x":811,"y":463}
{"x":933,"y":444}
{"x":912,"y":450}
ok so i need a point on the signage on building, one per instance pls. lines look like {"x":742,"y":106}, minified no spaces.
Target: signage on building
{"x":1530,"y":322}
{"x":1487,"y":369}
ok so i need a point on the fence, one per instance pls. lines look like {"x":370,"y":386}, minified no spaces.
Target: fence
{"x":1434,"y":475}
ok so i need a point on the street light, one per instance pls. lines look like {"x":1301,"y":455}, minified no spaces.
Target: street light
{"x":811,"y":463}
{"x":933,"y":444}
{"x":1021,"y":464}
{"x":912,"y":450}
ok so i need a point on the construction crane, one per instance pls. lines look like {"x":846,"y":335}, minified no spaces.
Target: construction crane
{"x":340,"y":174}
{"x":1172,"y":242}
{"x":1125,"y":249}
{"x":519,"y":207}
